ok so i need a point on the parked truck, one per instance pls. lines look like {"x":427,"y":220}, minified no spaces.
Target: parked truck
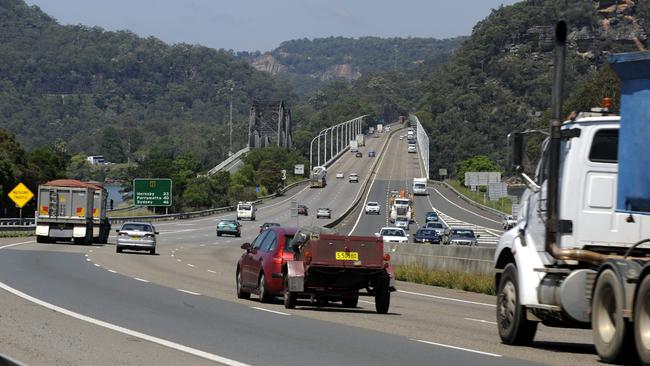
{"x":328,"y":267}
{"x":401,"y":205}
{"x":577,"y":256}
{"x":371,"y":130}
{"x":318,"y":177}
{"x":380,"y":128}
{"x":69,"y":209}
{"x":361,"y":141}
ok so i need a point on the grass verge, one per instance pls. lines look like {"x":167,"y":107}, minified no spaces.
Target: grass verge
{"x":16,"y":234}
{"x":504,"y":204}
{"x":455,"y":280}
{"x":140,"y":211}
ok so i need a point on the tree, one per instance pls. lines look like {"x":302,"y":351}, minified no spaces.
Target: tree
{"x":480,"y":163}
{"x":269,"y":175}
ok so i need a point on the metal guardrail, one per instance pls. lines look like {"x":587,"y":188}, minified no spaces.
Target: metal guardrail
{"x":471,"y":201}
{"x":13,"y":221}
{"x":366,"y":185}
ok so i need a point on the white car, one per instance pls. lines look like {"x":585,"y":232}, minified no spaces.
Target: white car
{"x":340,"y":175}
{"x":401,"y":137}
{"x":411,"y":148}
{"x":373,"y":207}
{"x":246,"y":210}
{"x":393,"y":235}
{"x":354,"y":177}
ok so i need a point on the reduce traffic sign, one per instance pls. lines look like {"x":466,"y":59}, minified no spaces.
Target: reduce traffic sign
{"x":152,"y":192}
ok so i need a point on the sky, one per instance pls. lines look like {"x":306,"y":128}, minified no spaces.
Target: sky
{"x":249,"y":25}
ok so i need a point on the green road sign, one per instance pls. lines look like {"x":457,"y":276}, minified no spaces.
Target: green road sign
{"x":152,"y":192}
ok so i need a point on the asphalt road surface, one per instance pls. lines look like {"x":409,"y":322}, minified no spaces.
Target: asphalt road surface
{"x":78,"y":305}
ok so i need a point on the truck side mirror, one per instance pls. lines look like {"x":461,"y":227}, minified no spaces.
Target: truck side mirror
{"x":517,"y":150}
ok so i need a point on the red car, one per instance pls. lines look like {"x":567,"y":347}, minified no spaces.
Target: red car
{"x":259,"y":270}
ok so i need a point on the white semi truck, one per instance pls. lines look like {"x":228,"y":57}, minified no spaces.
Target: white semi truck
{"x":401,"y":206}
{"x":380,"y":128}
{"x":578,"y":255}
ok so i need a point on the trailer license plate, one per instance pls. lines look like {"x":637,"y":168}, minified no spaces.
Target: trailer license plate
{"x":347,"y":256}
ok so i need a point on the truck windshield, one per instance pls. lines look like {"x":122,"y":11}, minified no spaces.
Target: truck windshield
{"x":419,"y":185}
{"x":402,"y":202}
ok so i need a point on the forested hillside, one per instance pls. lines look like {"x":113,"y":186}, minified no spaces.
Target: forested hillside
{"x":307,"y":63}
{"x":500,"y":79}
{"x":114,"y":93}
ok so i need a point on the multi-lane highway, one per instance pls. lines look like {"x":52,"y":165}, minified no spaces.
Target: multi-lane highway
{"x":65,"y":304}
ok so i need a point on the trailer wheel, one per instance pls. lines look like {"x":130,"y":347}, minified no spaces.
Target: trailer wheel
{"x":265,"y":297}
{"x":290,"y":298}
{"x":642,"y":321}
{"x":513,"y":326}
{"x":241,"y":294}
{"x":610,"y":330}
{"x":382,"y":297}
{"x":351,"y":302}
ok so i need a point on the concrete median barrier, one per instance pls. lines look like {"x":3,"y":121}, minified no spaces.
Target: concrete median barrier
{"x":452,"y":258}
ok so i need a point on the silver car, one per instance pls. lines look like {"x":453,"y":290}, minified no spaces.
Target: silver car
{"x":402,"y":223}
{"x":136,"y":236}
{"x":324,"y":212}
{"x":462,"y":237}
{"x":437,"y":226}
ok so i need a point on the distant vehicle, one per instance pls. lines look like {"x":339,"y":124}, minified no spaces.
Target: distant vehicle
{"x":437,"y":226}
{"x":393,"y":235}
{"x":431,"y":216}
{"x":230,"y":227}
{"x":136,"y":236}
{"x":380,"y":128}
{"x":401,"y":137}
{"x":353,"y":178}
{"x":267,"y":225}
{"x":401,"y":205}
{"x":303,"y":210}
{"x":354,"y":146}
{"x":419,"y":186}
{"x":318,"y":177}
{"x":259,"y":269}
{"x":371,"y":130}
{"x":509,"y":222}
{"x":424,"y":235}
{"x":412,"y":149}
{"x":361,"y":140}
{"x":371,"y":154}
{"x":246,"y":210}
{"x":324,"y":212}
{"x":359,"y":154}
{"x":340,"y":175}
{"x":373,"y":207}
{"x":462,"y":237}
{"x":410,"y":133}
{"x":387,"y":128}
{"x":402,"y":222}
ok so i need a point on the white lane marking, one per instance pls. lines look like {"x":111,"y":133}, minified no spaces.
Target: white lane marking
{"x":211,"y":271}
{"x":172,"y":254}
{"x":87,"y":259}
{"x":190,"y":265}
{"x":140,"y":279}
{"x":112,"y":271}
{"x":189,"y":292}
{"x":96,"y":265}
{"x":457,"y":348}
{"x":270,"y":311}
{"x":86,"y":255}
{"x":90,"y":251}
{"x":129,"y":332}
{"x":365,"y":200}
{"x":446,"y":298}
{"x":177,"y":231}
{"x":14,"y":244}
{"x":463,"y":208}
{"x":481,"y":321}
{"x":178,"y":260}
{"x":367,"y":302}
{"x":202,"y":245}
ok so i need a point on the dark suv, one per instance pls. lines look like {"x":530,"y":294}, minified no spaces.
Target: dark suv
{"x":259,"y":270}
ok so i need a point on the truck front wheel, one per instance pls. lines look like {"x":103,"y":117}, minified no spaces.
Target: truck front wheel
{"x":513,"y":326}
{"x":612,"y":333}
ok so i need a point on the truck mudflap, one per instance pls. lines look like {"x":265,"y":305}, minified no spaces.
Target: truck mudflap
{"x":79,"y":232}
{"x":43,"y":230}
{"x":295,"y":276}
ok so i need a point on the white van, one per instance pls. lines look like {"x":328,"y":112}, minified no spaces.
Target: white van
{"x":246,"y":210}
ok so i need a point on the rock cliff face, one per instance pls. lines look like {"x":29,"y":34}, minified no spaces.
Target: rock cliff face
{"x":268,"y":63}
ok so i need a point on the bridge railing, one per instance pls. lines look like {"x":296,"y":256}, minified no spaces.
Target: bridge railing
{"x":228,"y":161}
